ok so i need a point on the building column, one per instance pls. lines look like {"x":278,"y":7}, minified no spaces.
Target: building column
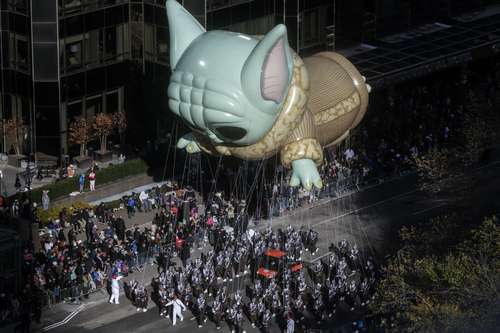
{"x":47,"y":129}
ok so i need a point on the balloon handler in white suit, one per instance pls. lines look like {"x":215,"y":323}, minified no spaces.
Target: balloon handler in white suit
{"x":115,"y":289}
{"x":177,"y":306}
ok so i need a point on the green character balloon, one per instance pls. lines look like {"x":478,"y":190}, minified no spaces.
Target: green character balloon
{"x":253,"y":98}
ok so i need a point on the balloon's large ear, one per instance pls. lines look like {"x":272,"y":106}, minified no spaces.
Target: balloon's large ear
{"x":184,"y":28}
{"x":267,"y":71}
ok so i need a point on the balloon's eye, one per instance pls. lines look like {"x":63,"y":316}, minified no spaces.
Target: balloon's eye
{"x":231,"y":133}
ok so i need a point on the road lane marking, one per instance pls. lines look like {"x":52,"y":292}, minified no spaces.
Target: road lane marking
{"x":65,"y":320}
{"x":428,"y":209}
{"x":354,"y":211}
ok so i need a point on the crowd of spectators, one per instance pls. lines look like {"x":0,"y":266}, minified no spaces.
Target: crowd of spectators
{"x":81,"y":249}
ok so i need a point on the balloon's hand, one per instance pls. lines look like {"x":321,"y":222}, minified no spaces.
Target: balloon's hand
{"x":368,"y":87}
{"x":189,"y":143}
{"x":306,"y":173}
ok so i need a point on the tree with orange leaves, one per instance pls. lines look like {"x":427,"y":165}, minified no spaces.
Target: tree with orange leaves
{"x":80,"y":133}
{"x":103,"y":127}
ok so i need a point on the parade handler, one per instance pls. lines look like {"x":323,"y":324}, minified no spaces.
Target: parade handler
{"x":177,"y":306}
{"x":115,"y":289}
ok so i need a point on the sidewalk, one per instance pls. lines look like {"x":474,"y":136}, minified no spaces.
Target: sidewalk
{"x":9,"y":178}
{"x":128,"y":192}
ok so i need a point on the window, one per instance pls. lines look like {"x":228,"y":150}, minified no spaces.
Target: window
{"x":73,"y":53}
{"x":136,"y":36}
{"x":7,"y":103}
{"x":111,"y":44}
{"x":115,"y":42}
{"x":22,"y":51}
{"x":18,"y":5}
{"x":258,"y":26}
{"x":310,"y":33}
{"x":74,"y":110}
{"x":91,"y":4}
{"x":162,"y":39}
{"x":93,"y":47}
{"x":61,"y":54}
{"x":217,"y":4}
{"x":12,"y":49}
{"x":149,"y":42}
{"x":95,"y":80}
{"x":112,"y":102}
{"x":17,"y":108}
{"x":75,"y":86}
{"x":18,"y":51}
{"x":71,"y":6}
{"x":93,"y":106}
{"x":136,"y":31}
{"x":136,"y":13}
{"x":111,"y":2}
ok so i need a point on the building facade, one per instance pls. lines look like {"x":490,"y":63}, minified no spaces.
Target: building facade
{"x":61,"y":59}
{"x":69,"y":58}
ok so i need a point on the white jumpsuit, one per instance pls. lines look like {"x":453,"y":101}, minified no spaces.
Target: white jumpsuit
{"x":115,"y":292}
{"x":177,"y":304}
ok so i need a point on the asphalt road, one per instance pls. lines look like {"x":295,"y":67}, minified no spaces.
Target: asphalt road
{"x":370,"y":218}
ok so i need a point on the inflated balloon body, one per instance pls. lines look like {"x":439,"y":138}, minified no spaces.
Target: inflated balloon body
{"x":252,"y":98}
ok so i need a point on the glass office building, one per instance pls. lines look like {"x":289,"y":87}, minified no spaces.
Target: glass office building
{"x":66,"y":58}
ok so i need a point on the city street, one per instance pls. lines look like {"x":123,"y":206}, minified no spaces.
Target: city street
{"x":370,"y":218}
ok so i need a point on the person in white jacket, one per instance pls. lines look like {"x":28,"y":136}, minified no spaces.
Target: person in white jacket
{"x":115,"y":289}
{"x":145,"y":201}
{"x":177,"y":306}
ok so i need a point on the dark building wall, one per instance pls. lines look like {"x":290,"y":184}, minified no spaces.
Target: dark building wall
{"x":48,"y":118}
{"x":105,"y":54}
{"x":349,"y":23}
{"x":15,"y":69}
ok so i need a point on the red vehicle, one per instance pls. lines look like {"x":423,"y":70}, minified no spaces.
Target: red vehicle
{"x":274,"y":262}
